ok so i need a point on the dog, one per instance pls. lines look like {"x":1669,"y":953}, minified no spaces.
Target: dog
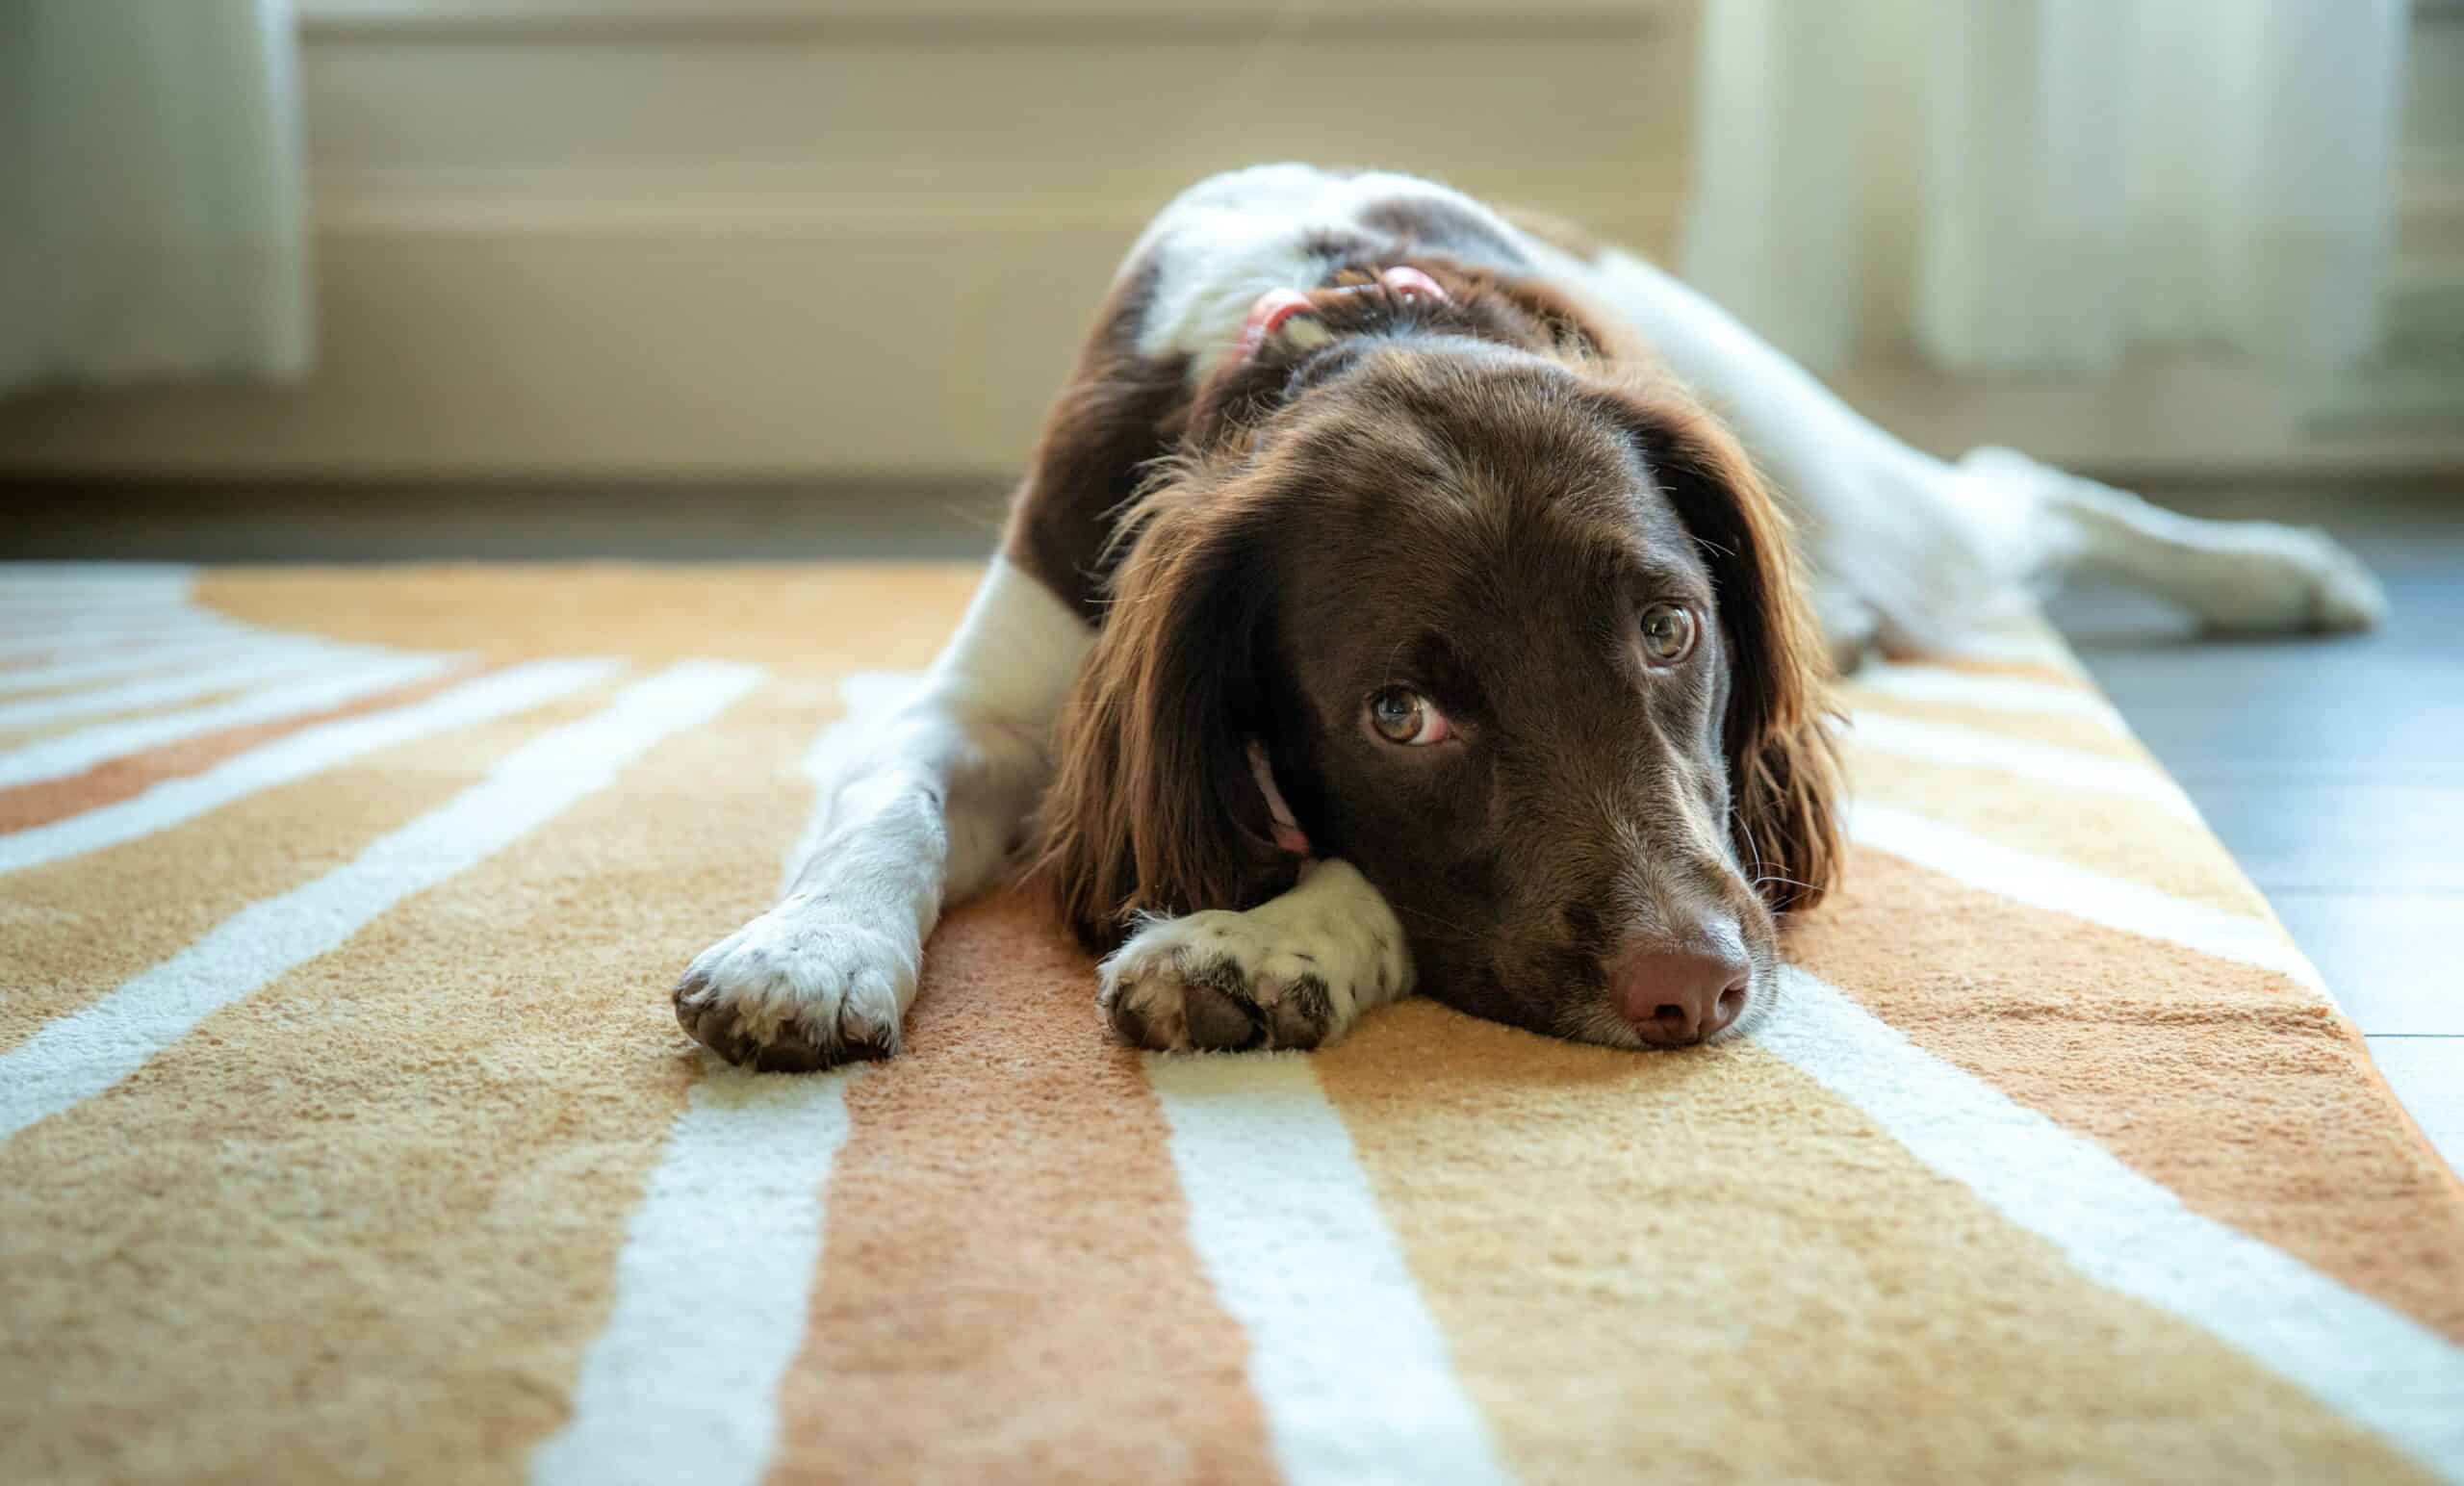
{"x":1386,"y":610}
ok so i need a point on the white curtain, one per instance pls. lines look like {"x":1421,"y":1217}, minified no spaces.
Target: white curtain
{"x":152,"y":194}
{"x":2047,"y":183}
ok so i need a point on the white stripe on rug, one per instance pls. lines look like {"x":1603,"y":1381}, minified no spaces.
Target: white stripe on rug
{"x":71,"y":574}
{"x":2364,"y":1359}
{"x":20,"y":651}
{"x":111,"y":586}
{"x":295,"y":756}
{"x":74,"y":753}
{"x":1343,"y":1355}
{"x":2060,"y":888}
{"x":54,"y":612}
{"x":256,"y":666}
{"x":1913,"y":682}
{"x":78,"y":1056}
{"x":712,"y":1289}
{"x":113,"y":596}
{"x":2067,"y":767}
{"x":114,"y":664}
{"x":69,"y":623}
{"x":682,"y":1385}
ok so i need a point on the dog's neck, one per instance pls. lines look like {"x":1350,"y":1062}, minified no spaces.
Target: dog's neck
{"x":1294,"y":338}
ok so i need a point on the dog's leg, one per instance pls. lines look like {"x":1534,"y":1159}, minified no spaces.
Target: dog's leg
{"x":1295,"y":971}
{"x":924,"y":811}
{"x":2247,"y":577}
{"x":1910,"y":551}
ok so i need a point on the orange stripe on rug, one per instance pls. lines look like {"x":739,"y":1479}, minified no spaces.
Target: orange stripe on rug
{"x":1008,"y":1288}
{"x":2027,"y":670}
{"x":2023,"y":669}
{"x":1706,"y":1266}
{"x":2114,"y":834}
{"x":831,"y":616}
{"x":78,"y":927}
{"x":2186,"y":1066}
{"x":2083,"y":735}
{"x":123,"y":777}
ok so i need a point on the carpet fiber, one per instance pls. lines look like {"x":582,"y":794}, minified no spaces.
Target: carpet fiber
{"x":345,"y":1132}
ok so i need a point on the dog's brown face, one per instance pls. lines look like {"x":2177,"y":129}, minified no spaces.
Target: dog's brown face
{"x":1516,"y":638}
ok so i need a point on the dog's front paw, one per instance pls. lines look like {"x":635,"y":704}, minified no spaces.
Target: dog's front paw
{"x":1217,"y":981}
{"x":802,"y":986}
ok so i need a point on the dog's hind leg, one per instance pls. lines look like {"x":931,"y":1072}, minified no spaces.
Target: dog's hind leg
{"x":2247,"y":576}
{"x":1295,"y":971}
{"x":1910,"y":551}
{"x":924,"y":809}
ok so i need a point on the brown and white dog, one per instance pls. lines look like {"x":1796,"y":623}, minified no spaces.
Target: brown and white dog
{"x":1383,"y":610}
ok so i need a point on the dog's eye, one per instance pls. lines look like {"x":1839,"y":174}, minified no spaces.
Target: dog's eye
{"x":1402,"y":715}
{"x":1668,"y":634}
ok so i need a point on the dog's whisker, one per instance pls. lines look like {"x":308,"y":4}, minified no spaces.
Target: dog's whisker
{"x":1450,"y":930}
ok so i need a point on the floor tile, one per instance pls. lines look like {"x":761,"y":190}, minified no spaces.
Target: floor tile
{"x":2338,"y":836}
{"x":2343,"y":709}
{"x":2427,"y":1074}
{"x":2391,"y":957}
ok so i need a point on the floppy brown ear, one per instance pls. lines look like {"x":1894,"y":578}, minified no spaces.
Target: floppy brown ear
{"x":1784,"y":765}
{"x":1154,"y":809}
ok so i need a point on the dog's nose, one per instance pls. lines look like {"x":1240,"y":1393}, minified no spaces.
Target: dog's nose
{"x":1674,"y":996}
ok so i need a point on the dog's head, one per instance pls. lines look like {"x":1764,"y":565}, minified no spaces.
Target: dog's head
{"x":1481,"y":610}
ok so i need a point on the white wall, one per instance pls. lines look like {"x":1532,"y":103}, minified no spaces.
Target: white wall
{"x":816,"y":236}
{"x":803,"y":238}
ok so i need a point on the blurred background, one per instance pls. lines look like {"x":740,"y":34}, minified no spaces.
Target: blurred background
{"x":289,"y":278}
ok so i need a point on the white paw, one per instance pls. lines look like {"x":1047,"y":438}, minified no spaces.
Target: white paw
{"x":2288,"y":578}
{"x":1222,"y":981}
{"x":804,"y":985}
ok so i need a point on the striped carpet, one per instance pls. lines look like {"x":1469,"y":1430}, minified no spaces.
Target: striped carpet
{"x":345,"y":1132}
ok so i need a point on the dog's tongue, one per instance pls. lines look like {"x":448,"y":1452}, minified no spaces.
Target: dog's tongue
{"x":1284,"y":312}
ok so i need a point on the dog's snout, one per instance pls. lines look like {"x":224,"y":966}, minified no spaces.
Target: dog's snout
{"x":1674,"y":995}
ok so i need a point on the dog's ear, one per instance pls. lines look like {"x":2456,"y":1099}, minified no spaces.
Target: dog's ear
{"x":1784,"y":765}
{"x":1154,"y":809}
